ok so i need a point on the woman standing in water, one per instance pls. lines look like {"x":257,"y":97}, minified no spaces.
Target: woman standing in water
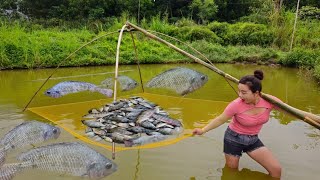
{"x":248,"y":112}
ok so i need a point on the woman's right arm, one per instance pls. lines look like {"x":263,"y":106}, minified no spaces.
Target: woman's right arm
{"x":216,"y":122}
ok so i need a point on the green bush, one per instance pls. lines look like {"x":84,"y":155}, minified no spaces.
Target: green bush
{"x":316,"y":71}
{"x":249,"y":34}
{"x":197,"y":33}
{"x":301,"y":58}
{"x":185,"y":22}
{"x":13,"y":52}
{"x":309,"y":12}
{"x":308,"y":34}
{"x":255,"y":18}
{"x":217,"y":53}
{"x":220,"y":28}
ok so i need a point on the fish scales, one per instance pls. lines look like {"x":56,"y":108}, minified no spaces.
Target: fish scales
{"x":67,"y":87}
{"x":27,"y":133}
{"x":7,"y":172}
{"x":126,"y":83}
{"x":71,"y":158}
{"x":182,"y":80}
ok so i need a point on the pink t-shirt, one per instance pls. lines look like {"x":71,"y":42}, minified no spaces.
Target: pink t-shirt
{"x":243,"y":123}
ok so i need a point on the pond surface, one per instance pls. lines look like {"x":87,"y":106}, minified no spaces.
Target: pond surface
{"x":295,"y":143}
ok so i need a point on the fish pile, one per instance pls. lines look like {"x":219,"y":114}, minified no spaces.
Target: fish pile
{"x":182,"y":80}
{"x":133,"y":121}
{"x":71,"y":158}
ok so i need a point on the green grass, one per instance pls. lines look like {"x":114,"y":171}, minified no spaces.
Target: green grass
{"x":31,"y":45}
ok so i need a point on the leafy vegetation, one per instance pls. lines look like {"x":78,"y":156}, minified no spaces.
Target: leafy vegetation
{"x":42,"y":33}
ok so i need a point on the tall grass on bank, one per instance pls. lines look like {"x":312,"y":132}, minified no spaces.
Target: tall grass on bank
{"x":30,"y":45}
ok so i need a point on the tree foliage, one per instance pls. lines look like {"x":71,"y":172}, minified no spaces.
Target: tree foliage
{"x":201,"y":11}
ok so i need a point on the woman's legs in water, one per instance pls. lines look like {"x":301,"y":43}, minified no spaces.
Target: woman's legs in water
{"x":232,"y":161}
{"x":265,"y":158}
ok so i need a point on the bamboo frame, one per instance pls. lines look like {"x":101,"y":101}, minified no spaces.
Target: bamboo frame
{"x":294,"y":25}
{"x":309,"y":118}
{"x":115,"y":81}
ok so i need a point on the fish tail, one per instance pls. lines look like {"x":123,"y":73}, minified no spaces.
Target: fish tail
{"x":128,"y":143}
{"x":8,"y":171}
{"x":2,"y":156}
{"x":106,"y":92}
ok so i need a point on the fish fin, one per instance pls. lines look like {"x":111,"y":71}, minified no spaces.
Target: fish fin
{"x":128,"y":143}
{"x":106,"y":92}
{"x":93,"y":170}
{"x":2,"y":156}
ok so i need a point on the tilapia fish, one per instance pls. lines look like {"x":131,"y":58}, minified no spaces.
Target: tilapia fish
{"x":144,"y":140}
{"x":181,"y":80}
{"x":68,"y":158}
{"x":126,"y":83}
{"x":68,"y":87}
{"x":27,"y":133}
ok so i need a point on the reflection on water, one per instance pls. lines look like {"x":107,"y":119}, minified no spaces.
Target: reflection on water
{"x":293,"y":142}
{"x":234,"y":174}
{"x":245,"y":174}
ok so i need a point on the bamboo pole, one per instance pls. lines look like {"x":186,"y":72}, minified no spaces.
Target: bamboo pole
{"x":309,"y":118}
{"x":137,"y":60}
{"x":294,"y":26}
{"x":115,"y":81}
{"x":117,"y":64}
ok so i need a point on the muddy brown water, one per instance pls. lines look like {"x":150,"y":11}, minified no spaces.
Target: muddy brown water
{"x":293,"y":142}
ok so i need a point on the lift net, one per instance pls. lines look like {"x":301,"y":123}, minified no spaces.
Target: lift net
{"x":159,"y":98}
{"x":69,"y":117}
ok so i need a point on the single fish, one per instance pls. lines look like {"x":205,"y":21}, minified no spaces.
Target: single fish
{"x":27,"y":133}
{"x":119,"y":119}
{"x":163,"y":125}
{"x":138,"y":129}
{"x":134,"y":113}
{"x":144,"y":140}
{"x":92,"y":123}
{"x":69,"y":158}
{"x":126,"y":83}
{"x":116,"y":106}
{"x":145,"y":116}
{"x":68,"y":87}
{"x":98,"y":115}
{"x":148,"y":125}
{"x":120,"y":138}
{"x":181,"y":80}
{"x":166,"y":131}
{"x":170,"y":131}
{"x":166,"y":119}
{"x":121,"y":130}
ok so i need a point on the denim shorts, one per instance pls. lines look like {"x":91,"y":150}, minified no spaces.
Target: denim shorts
{"x":235,"y":143}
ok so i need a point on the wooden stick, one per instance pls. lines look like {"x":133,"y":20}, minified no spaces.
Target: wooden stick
{"x":137,"y":60}
{"x":117,"y":64}
{"x":294,"y":25}
{"x":115,"y":81}
{"x":309,"y":118}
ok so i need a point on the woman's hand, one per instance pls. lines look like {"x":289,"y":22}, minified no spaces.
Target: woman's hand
{"x":197,"y":131}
